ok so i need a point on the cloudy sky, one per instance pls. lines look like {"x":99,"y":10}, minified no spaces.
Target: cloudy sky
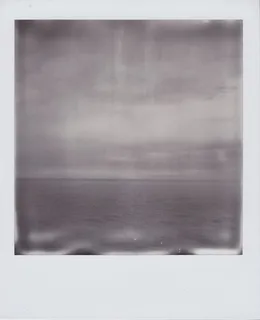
{"x":126,"y":98}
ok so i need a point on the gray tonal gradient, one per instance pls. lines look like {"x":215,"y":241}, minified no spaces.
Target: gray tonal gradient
{"x":128,"y":135}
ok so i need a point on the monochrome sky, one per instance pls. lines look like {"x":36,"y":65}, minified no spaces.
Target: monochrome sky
{"x":105,"y":98}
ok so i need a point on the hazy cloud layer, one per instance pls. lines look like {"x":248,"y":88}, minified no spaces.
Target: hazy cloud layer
{"x":101,"y":98}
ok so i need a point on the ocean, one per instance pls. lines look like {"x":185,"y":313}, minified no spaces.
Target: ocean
{"x":131,"y":216}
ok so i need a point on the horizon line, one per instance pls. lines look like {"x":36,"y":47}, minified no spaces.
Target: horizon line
{"x":131,"y":179}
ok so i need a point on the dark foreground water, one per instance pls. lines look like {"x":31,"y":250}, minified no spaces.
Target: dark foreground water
{"x":112,"y":216}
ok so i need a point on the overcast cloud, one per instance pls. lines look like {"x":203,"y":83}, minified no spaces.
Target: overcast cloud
{"x":90,"y":93}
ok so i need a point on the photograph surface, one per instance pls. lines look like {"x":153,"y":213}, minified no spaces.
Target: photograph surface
{"x":128,"y":137}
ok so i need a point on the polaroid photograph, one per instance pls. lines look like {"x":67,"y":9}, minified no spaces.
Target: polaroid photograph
{"x":128,"y":136}
{"x":130,"y":133}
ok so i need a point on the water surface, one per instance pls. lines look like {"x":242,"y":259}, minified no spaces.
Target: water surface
{"x":127,"y":215}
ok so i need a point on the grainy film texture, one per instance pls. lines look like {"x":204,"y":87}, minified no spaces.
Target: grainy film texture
{"x":128,"y":136}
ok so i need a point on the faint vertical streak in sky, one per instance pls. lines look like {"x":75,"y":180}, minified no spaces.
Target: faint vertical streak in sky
{"x":152,"y":77}
{"x":148,"y":61}
{"x":119,"y":67}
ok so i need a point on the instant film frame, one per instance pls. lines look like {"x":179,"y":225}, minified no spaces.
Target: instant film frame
{"x":128,"y":136}
{"x":113,"y":287}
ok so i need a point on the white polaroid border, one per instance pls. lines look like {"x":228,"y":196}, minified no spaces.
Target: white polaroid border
{"x":132,"y":287}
